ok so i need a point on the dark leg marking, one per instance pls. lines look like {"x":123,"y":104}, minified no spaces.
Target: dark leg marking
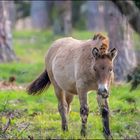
{"x":105,"y":119}
{"x":84,"y":114}
{"x":104,"y":110}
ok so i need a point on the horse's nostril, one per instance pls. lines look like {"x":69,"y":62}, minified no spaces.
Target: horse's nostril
{"x":104,"y":93}
{"x":100,"y":91}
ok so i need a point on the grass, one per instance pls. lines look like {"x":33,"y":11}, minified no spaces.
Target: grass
{"x":37,"y":116}
{"x":40,"y":113}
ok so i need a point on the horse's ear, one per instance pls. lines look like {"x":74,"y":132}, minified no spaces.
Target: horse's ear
{"x":95,"y":52}
{"x":113,"y":53}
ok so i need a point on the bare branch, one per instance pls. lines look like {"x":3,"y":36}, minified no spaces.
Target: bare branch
{"x":7,"y":125}
{"x":23,"y":130}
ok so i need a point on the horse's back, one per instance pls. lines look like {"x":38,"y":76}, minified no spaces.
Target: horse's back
{"x":61,"y":45}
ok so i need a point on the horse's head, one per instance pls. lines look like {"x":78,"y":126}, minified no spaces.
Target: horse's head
{"x":103,"y":68}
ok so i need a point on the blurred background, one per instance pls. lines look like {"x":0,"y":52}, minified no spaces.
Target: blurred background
{"x":27,"y":30}
{"x":117,"y":19}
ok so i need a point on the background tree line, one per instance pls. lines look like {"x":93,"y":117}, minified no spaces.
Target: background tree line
{"x":118,"y":19}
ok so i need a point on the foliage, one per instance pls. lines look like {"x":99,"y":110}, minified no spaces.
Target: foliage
{"x":134,"y":78}
{"x":22,"y":8}
{"x":137,"y":2}
{"x":78,"y":21}
{"x":37,"y":116}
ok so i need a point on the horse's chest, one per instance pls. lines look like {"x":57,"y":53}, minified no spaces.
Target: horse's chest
{"x":87,"y":84}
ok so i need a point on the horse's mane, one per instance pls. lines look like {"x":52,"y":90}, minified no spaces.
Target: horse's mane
{"x":105,"y":42}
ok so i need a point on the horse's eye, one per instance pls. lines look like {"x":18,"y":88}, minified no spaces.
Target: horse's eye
{"x":103,"y":68}
{"x":94,"y":68}
{"x":110,"y":70}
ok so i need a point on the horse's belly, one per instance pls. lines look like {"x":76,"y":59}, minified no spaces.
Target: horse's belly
{"x":64,"y":75}
{"x":66,"y":83}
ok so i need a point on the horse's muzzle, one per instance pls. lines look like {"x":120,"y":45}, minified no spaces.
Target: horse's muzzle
{"x":104,"y":93}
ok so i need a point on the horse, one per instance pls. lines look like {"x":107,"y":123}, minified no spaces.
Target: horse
{"x":75,"y":67}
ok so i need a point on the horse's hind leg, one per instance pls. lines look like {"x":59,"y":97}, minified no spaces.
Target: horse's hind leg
{"x":62,"y":107}
{"x":69,"y":99}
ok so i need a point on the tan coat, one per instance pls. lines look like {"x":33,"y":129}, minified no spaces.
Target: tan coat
{"x":70,"y":63}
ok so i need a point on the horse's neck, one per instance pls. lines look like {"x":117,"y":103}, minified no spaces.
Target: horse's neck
{"x":91,"y":43}
{"x":86,"y":59}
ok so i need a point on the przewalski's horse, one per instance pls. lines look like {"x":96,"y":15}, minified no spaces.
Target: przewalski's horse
{"x":74,"y":67}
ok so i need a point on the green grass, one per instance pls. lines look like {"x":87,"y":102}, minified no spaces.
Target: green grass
{"x":37,"y":116}
{"x":40,"y":113}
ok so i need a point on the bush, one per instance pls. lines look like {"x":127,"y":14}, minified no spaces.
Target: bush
{"x":134,"y":78}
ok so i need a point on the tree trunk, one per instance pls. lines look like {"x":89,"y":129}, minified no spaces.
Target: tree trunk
{"x":93,"y":10}
{"x":62,"y":21}
{"x":120,"y":35}
{"x":6,"y":52}
{"x":39,"y":14}
{"x":11,"y":9}
{"x":130,"y":10}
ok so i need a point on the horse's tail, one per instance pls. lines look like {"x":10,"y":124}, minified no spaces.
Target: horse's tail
{"x":39,"y":84}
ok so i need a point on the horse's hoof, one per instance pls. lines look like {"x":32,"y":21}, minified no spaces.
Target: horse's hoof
{"x":108,"y":137}
{"x":65,"y":128}
{"x":83,"y":132}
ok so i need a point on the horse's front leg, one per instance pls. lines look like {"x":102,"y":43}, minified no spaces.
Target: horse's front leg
{"x":84,"y":110}
{"x":104,"y":109}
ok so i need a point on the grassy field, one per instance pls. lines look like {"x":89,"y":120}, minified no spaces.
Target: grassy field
{"x":37,"y":116}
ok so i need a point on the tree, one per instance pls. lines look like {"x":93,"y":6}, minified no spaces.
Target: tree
{"x":105,"y":15}
{"x":62,"y":17}
{"x":120,"y":32}
{"x":131,"y":11}
{"x":39,"y":14}
{"x":78,"y":21}
{"x":93,"y":11}
{"x":11,"y":9}
{"x":6,"y":52}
